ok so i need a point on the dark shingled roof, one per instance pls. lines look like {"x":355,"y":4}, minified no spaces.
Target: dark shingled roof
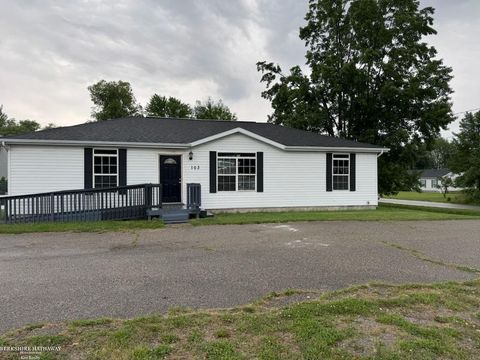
{"x":181,"y":131}
{"x":433,"y":173}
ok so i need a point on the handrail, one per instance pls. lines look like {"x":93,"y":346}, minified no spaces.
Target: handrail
{"x":114,"y":203}
{"x":116,"y":188}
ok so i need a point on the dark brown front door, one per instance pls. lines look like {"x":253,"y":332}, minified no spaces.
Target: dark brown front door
{"x":170,"y":177}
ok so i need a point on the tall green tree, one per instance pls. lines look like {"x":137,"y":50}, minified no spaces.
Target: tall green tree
{"x":113,"y":99}
{"x":370,"y":78}
{"x":210,"y":109}
{"x":3,"y":116}
{"x":167,"y":107}
{"x":9,"y":126}
{"x":466,"y":158}
{"x":440,"y":154}
{"x":434,"y":156}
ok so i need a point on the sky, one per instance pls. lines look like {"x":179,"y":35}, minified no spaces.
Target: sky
{"x":51,"y":51}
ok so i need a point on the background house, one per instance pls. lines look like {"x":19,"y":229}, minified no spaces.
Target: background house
{"x":430,"y":179}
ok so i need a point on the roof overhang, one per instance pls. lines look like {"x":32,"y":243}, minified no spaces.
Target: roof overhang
{"x":237,"y":131}
{"x":252,"y":135}
{"x":93,"y":143}
{"x":202,"y":141}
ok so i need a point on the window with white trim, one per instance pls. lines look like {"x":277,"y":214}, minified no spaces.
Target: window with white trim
{"x":341,"y":171}
{"x":105,"y":168}
{"x":236,"y":171}
{"x":423,"y":183}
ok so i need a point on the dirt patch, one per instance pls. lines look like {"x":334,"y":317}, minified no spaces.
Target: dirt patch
{"x":285,"y":300}
{"x":424,"y":315}
{"x":38,"y":330}
{"x":373,"y":335}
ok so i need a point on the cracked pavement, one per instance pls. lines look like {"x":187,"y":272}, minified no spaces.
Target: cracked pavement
{"x":49,"y":277}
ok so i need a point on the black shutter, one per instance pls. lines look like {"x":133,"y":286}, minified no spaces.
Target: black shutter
{"x":329,"y":172}
{"x":88,"y":168}
{"x":213,"y":171}
{"x":352,"y":172}
{"x":259,"y":171}
{"x":122,"y":167}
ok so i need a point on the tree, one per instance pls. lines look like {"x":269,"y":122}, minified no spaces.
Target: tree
{"x":113,"y":99}
{"x":423,"y":158}
{"x":466,"y":157}
{"x":441,"y":152}
{"x":444,"y":183}
{"x":167,"y":107}
{"x":49,"y":126}
{"x":3,"y":116}
{"x":10,"y":126}
{"x":371,"y":78}
{"x":213,"y":110}
{"x":434,"y":156}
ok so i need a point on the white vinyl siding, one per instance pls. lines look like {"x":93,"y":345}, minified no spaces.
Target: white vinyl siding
{"x":36,"y":169}
{"x":291,"y":178}
{"x":142,"y":166}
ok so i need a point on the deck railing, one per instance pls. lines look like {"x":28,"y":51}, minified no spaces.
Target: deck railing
{"x":117,"y":203}
{"x":194,"y":198}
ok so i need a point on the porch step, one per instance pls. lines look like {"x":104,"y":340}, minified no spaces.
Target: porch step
{"x":175,"y":216}
{"x":173,"y":206}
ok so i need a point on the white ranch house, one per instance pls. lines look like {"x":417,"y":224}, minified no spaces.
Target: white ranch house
{"x":430,"y":179}
{"x":239,"y":165}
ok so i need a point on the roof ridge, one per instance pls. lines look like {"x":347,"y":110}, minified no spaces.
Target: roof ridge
{"x":212,"y":120}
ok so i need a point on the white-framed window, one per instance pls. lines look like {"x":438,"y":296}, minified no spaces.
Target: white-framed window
{"x":423,"y":183}
{"x":434,"y":183}
{"x":105,"y":168}
{"x":341,"y":171}
{"x":236,"y":171}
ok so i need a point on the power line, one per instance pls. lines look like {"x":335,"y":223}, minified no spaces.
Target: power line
{"x":462,"y":112}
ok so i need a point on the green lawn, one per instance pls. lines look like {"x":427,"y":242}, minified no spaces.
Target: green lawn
{"x":92,"y":226}
{"x":385,"y":212}
{"x":439,"y":321}
{"x":455,"y":197}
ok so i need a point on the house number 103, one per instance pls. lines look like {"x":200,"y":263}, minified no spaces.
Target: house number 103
{"x":195,"y":167}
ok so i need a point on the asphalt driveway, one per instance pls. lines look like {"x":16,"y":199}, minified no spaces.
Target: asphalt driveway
{"x":58,"y":276}
{"x":430,"y":204}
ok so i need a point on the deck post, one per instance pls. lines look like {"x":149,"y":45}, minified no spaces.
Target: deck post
{"x":148,"y":196}
{"x":52,"y":206}
{"x":160,"y":196}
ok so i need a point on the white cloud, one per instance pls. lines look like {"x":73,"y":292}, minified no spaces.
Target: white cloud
{"x":51,"y":51}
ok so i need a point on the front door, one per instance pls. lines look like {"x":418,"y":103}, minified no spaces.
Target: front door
{"x":170,"y":177}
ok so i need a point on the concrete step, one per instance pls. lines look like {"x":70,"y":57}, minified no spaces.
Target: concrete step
{"x":175,"y":216}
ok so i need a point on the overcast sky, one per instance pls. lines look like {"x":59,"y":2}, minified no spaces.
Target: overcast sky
{"x":50,"y":51}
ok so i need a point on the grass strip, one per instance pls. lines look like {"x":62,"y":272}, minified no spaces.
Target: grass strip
{"x":373,"y":321}
{"x":87,"y":226}
{"x":384,"y":212}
